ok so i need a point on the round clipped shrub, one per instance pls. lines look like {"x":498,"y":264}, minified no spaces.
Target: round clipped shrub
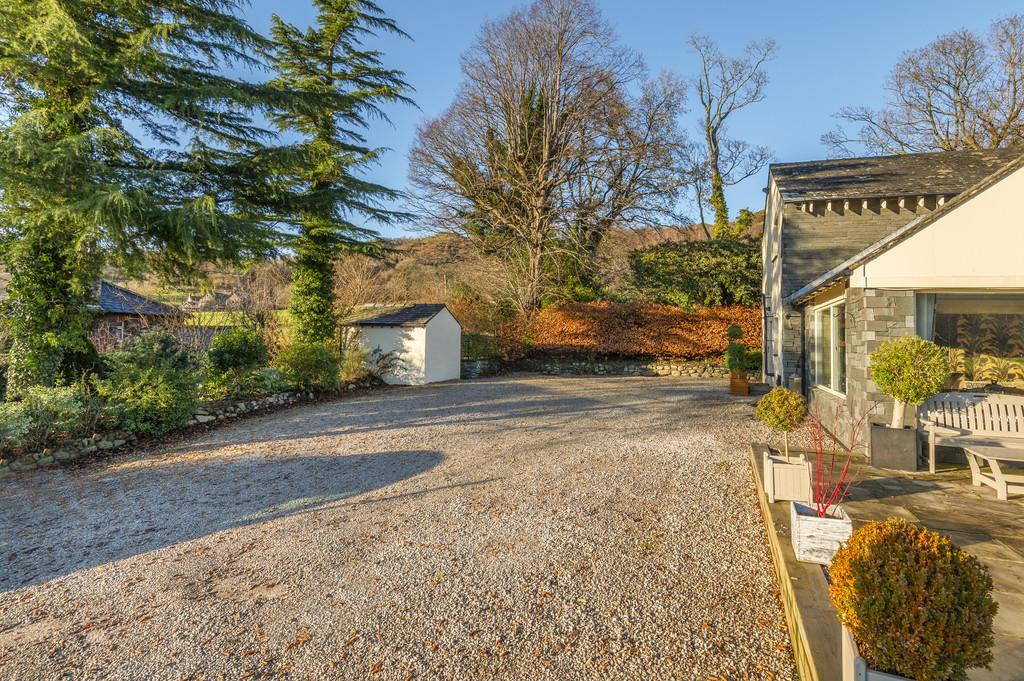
{"x":917,"y":605}
{"x":236,"y":350}
{"x":910,"y":370}
{"x":734,"y":332}
{"x":309,"y":367}
{"x":781,"y":409}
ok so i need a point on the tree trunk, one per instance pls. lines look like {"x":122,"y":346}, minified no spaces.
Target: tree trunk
{"x":897,"y":413}
{"x":717,"y":185}
{"x":312,"y":303}
{"x":50,"y":293}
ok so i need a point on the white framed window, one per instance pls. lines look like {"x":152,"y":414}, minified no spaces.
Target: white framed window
{"x":830,"y":346}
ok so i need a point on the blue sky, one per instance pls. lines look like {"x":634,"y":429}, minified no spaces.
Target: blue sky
{"x":831,"y":53}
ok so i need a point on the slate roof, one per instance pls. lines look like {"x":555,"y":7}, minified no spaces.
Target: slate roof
{"x":114,"y":299}
{"x":394,"y":315}
{"x":935,"y":173}
{"x":844,"y":269}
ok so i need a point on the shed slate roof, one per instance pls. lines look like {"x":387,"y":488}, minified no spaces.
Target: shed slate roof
{"x":114,"y":299}
{"x":394,"y":315}
{"x":929,"y":174}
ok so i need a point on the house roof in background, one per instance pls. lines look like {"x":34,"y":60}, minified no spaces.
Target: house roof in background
{"x":393,"y":315}
{"x":114,"y":299}
{"x":935,"y":173}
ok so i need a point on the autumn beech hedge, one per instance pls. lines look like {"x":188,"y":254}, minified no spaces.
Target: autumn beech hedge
{"x":641,"y":330}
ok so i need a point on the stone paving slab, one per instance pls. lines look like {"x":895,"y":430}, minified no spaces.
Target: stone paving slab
{"x":946,"y":502}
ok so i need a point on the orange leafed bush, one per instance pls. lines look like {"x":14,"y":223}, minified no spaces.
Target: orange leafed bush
{"x":642,"y":330}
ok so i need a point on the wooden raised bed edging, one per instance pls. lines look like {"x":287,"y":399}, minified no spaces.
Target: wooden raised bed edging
{"x":814,"y":628}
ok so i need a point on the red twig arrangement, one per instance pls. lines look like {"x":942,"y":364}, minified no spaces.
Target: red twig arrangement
{"x":829,"y":489}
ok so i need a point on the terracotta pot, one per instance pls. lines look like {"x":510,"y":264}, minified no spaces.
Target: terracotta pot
{"x":739,"y":385}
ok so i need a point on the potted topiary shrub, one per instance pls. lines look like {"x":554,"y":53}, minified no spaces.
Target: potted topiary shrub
{"x":912,"y":604}
{"x":786,"y":478}
{"x":736,"y":362}
{"x":910,"y":370}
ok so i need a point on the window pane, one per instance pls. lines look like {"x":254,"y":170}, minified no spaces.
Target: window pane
{"x":824,"y":349}
{"x":985,"y":334}
{"x":839,"y":339}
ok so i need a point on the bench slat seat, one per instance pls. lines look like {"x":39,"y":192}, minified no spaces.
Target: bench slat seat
{"x":972,"y":420}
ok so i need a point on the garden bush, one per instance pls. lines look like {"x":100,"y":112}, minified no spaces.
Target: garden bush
{"x":686,"y":273}
{"x":639,"y":330}
{"x":917,"y":605}
{"x":355,"y":363}
{"x":783,"y":410}
{"x":234,"y":364}
{"x":235,"y":385}
{"x":309,"y":367}
{"x":240,"y":350}
{"x":910,"y":370}
{"x":152,"y":384}
{"x":47,"y":416}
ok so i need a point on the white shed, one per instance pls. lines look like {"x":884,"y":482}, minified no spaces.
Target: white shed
{"x":425,"y":339}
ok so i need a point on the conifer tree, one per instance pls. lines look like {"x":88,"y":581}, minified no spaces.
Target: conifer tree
{"x":344,"y":86}
{"x":122,"y":141}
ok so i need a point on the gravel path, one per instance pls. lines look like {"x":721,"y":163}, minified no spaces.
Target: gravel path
{"x":522,"y":527}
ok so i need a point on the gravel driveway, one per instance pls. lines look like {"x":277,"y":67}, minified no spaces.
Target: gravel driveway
{"x":521,"y":527}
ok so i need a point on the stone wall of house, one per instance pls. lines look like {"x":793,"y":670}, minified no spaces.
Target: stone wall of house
{"x":117,"y":439}
{"x":873,"y":316}
{"x":814,"y":242}
{"x":597,"y":367}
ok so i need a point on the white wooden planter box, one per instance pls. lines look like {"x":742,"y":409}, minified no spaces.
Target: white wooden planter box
{"x":856,"y":669}
{"x":816,"y":540}
{"x":787,"y":478}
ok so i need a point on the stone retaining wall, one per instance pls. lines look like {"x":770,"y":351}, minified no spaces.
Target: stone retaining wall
{"x":207,"y":413}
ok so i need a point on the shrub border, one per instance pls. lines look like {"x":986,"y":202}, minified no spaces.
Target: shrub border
{"x":206,"y":417}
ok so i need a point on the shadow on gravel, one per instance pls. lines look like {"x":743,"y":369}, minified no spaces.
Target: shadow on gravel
{"x":54,"y":525}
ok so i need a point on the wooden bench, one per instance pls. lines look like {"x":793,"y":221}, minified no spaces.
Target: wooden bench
{"x":972,"y":420}
{"x":1001,"y":482}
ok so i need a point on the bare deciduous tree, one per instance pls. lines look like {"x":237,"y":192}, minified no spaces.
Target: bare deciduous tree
{"x":725,"y":86}
{"x":553,"y":138}
{"x":962,"y":91}
{"x":258,"y":297}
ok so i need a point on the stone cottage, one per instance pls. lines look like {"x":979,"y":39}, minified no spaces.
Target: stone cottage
{"x":857,"y":251}
{"x":122,"y":314}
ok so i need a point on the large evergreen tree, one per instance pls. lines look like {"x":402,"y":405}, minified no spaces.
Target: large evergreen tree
{"x":343,"y":86}
{"x":121,"y":141}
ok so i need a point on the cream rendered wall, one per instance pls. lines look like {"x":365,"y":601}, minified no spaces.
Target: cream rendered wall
{"x":979,"y":244}
{"x":444,"y":348}
{"x":408,"y":344}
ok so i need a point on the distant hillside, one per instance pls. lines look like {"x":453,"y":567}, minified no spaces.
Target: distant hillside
{"x":424,"y":269}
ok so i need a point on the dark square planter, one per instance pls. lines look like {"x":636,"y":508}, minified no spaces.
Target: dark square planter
{"x":894,"y":448}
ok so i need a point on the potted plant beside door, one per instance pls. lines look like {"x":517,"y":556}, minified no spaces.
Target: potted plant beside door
{"x":910,"y":370}
{"x":737,"y":362}
{"x":913,"y":605}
